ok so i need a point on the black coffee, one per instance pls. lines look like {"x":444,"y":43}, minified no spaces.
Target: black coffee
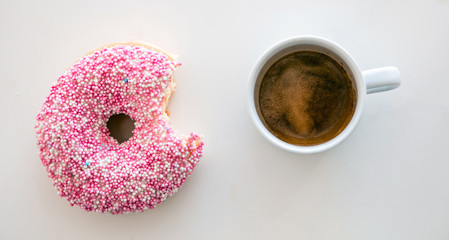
{"x":306,"y":98}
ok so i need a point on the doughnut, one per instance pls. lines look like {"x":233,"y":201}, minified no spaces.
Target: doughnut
{"x":90,"y":168}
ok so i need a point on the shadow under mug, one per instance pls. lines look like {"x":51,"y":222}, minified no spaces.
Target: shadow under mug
{"x":366,"y":82}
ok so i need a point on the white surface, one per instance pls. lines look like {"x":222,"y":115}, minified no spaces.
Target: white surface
{"x":388,"y":180}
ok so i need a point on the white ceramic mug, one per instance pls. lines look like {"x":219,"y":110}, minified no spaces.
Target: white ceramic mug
{"x":366,"y":82}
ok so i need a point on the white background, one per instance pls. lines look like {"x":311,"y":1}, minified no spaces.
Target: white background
{"x":388,"y":180}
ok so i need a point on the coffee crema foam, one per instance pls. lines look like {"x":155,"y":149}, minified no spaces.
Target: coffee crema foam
{"x":306,"y":98}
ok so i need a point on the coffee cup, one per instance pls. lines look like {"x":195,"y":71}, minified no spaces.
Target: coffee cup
{"x":276,"y":81}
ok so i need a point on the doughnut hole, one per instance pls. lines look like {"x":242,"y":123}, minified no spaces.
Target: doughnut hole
{"x":120,"y":127}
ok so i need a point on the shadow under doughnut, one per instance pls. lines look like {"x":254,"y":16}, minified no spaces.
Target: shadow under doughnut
{"x":120,"y":127}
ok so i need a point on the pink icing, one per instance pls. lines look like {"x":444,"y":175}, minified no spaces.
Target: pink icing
{"x":90,"y":168}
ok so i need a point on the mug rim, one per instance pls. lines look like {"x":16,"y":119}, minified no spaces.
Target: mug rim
{"x":336,"y":49}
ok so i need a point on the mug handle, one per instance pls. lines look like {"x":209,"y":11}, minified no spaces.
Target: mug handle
{"x":381,"y":79}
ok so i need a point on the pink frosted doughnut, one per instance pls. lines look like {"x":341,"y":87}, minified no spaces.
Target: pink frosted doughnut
{"x":90,"y":168}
